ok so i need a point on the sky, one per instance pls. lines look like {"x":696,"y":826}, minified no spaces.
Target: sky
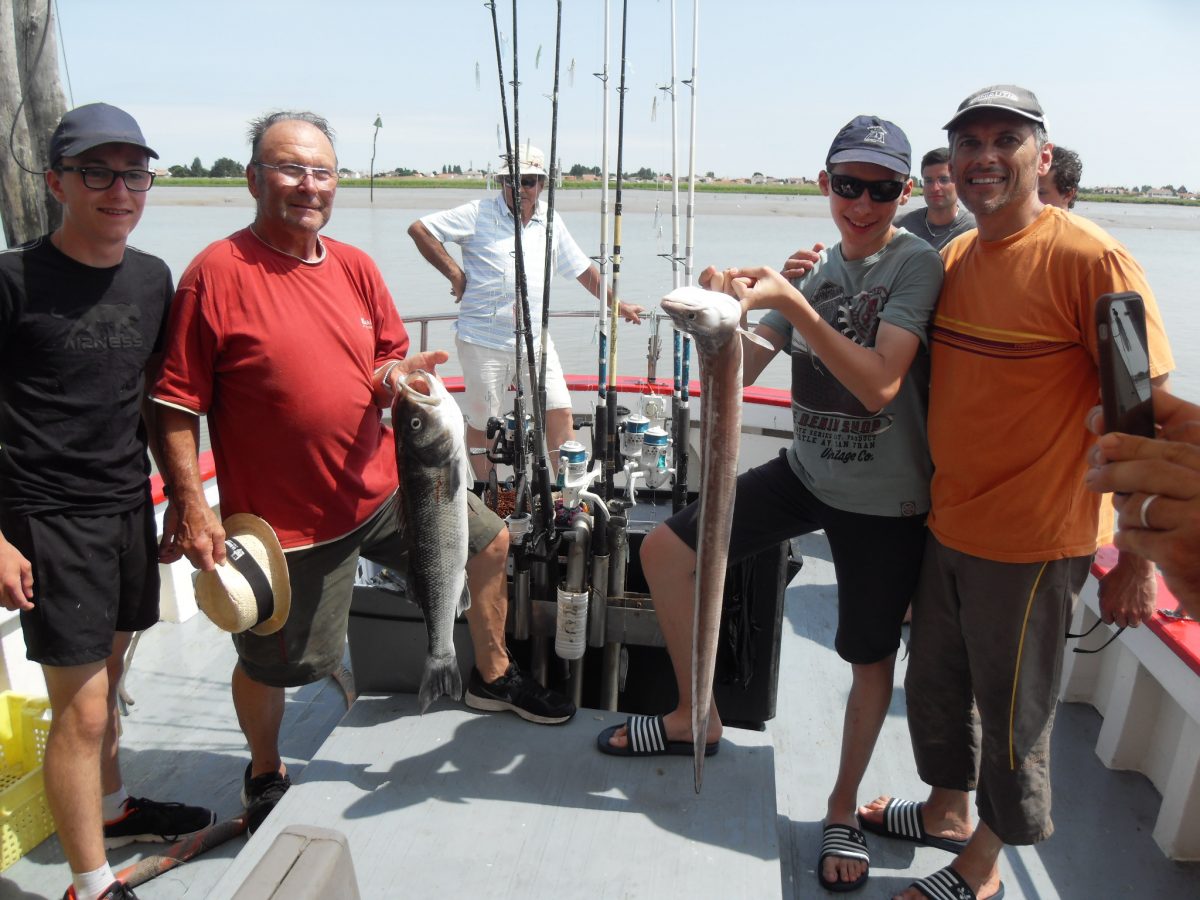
{"x":774,"y":80}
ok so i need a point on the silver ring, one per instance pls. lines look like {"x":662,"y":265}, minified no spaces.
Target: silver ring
{"x":1150,"y":498}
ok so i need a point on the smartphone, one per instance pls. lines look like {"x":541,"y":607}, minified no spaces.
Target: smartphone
{"x":1124,"y":364}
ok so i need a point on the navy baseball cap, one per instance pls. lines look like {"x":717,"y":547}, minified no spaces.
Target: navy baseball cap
{"x":1004,"y":97}
{"x":870,"y":139}
{"x":89,"y":126}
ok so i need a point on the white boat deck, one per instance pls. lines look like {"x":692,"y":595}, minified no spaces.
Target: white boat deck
{"x":460,"y":804}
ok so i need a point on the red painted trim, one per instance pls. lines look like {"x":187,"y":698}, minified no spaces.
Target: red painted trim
{"x":208,"y":470}
{"x":1181,"y":635}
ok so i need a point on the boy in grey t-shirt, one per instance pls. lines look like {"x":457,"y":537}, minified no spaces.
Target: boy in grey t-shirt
{"x":858,"y":466}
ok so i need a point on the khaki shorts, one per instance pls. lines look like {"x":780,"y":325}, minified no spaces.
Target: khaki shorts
{"x":313,"y":640}
{"x":488,"y":374}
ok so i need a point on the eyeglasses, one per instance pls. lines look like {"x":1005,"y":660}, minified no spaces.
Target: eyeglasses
{"x":294,"y":173}
{"x":101,"y":178}
{"x":1115,"y":635}
{"x":943,"y":180}
{"x":851,"y":188}
{"x":527,"y":181}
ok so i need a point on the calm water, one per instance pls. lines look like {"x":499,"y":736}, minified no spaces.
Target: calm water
{"x":730,"y":230}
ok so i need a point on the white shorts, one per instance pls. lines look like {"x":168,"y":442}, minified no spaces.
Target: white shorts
{"x":488,"y":374}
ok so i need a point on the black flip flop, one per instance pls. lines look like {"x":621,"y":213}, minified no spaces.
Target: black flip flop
{"x":902,"y":820}
{"x":845,"y":842}
{"x":648,"y":737}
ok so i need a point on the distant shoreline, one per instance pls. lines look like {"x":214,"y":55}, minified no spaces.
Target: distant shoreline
{"x":766,"y":190}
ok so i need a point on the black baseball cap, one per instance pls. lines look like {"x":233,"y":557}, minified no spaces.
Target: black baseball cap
{"x":1004,"y":97}
{"x":870,"y":139}
{"x":91,"y":125}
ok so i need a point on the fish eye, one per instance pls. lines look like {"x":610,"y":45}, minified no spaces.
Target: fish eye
{"x":692,"y":314}
{"x":414,"y":423}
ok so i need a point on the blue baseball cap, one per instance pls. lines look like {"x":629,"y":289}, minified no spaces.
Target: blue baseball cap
{"x":870,"y":139}
{"x":91,"y":125}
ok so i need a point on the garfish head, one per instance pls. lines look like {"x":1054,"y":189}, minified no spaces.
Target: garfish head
{"x":427,"y":421}
{"x":710,"y":317}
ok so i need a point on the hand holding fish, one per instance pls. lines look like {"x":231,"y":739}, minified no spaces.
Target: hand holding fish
{"x":426,"y":360}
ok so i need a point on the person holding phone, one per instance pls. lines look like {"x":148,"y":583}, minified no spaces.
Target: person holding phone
{"x":1012,"y":526}
{"x":1156,"y":492}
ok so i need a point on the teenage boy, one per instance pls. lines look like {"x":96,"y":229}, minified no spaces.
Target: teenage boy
{"x":858,"y":467}
{"x":81,"y":318}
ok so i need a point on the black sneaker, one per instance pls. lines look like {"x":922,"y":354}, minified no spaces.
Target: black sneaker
{"x":116,"y":891}
{"x":149,"y":820}
{"x":520,"y":693}
{"x":260,"y":794}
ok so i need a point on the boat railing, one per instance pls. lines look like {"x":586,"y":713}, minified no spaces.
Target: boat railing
{"x":424,"y":321}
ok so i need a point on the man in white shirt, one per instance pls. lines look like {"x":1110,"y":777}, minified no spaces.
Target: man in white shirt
{"x":485,"y":285}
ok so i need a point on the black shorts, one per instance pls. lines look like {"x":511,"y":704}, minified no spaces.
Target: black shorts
{"x":92,"y":576}
{"x":877,"y":558}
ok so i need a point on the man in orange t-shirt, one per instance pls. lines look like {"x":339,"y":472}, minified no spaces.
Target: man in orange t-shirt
{"x":1013,"y":528}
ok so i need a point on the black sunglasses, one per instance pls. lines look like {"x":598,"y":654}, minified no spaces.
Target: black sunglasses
{"x":1116,"y":634}
{"x":851,"y":188}
{"x":526,"y":181}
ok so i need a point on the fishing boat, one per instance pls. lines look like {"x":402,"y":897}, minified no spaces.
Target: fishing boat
{"x":460,"y":802}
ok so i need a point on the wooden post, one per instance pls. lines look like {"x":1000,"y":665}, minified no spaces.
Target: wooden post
{"x":31,"y":96}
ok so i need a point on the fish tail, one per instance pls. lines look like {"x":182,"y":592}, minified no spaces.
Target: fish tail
{"x":441,"y":677}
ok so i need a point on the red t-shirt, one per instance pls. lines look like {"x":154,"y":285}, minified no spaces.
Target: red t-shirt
{"x":280,"y":355}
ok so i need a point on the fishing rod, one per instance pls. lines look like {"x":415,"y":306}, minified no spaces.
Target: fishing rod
{"x":600,"y":417}
{"x":610,"y":452}
{"x":541,"y":475}
{"x":677,"y":338}
{"x":682,"y":423}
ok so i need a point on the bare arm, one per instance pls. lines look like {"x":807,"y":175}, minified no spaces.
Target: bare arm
{"x":871,"y":374}
{"x":436,"y":255}
{"x":193,"y":529}
{"x":590,"y":279}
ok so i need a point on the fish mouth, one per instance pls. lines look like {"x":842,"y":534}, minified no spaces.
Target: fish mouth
{"x":408,"y":383}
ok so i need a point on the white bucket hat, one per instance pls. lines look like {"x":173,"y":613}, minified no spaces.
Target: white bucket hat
{"x":532,"y":162}
{"x":250,"y":590}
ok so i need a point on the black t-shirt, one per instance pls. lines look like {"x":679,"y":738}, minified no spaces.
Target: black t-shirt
{"x":74,"y":342}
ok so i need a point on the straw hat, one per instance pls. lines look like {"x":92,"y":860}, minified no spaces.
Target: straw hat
{"x":250,"y":590}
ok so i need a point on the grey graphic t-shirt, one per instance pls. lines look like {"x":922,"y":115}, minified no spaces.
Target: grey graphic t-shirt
{"x":867,"y":461}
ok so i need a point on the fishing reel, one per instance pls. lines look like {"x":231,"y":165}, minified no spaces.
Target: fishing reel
{"x":574,"y":477}
{"x":502,"y":438}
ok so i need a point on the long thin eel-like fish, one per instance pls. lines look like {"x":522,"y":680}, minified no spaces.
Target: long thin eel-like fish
{"x":711,"y":318}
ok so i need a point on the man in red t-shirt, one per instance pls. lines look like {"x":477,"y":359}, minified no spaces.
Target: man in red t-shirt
{"x":291,"y":345}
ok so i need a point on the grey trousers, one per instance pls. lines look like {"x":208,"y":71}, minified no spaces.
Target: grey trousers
{"x":982,"y":685}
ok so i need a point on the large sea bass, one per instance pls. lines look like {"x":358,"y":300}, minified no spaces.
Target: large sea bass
{"x":711,"y":318}
{"x":435,"y":475}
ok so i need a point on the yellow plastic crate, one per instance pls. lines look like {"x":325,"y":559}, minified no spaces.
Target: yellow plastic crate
{"x":25,"y":819}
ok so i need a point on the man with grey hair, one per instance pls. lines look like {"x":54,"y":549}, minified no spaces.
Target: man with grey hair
{"x":292,"y":346}
{"x":485,"y":286}
{"x":1012,"y":526}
